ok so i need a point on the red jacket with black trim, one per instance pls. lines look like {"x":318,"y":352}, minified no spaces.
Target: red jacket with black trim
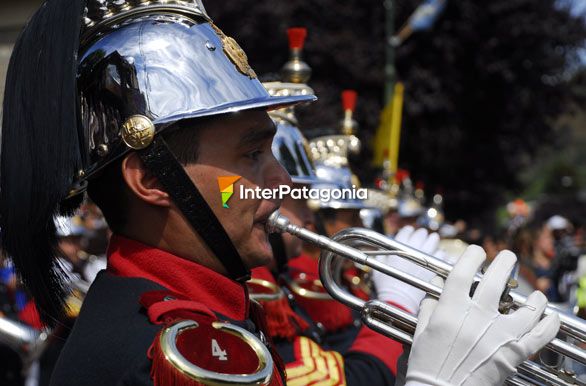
{"x":144,"y":290}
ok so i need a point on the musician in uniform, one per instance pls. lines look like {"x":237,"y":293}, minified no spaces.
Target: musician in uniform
{"x":332,"y":167}
{"x":145,"y":106}
{"x":155,"y":112}
{"x":367,"y":358}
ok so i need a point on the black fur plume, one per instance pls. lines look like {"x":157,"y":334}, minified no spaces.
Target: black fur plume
{"x":41,"y":148}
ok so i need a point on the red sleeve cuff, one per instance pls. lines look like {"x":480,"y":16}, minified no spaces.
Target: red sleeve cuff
{"x":385,"y":349}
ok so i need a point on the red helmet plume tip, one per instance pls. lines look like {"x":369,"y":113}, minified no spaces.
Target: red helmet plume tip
{"x":349,"y":99}
{"x":401,"y":175}
{"x":297,"y":37}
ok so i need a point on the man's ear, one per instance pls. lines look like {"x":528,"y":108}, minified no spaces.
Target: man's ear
{"x":142,"y":182}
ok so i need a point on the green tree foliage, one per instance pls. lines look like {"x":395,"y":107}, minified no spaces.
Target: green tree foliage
{"x":483,"y":87}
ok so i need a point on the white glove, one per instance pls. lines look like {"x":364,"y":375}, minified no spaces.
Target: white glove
{"x":466,"y":341}
{"x":391,"y":290}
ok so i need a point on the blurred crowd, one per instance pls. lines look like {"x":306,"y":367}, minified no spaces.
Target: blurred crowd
{"x":82,"y":243}
{"x":551,"y":255}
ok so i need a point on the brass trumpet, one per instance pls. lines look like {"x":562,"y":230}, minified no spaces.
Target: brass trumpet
{"x":362,"y":245}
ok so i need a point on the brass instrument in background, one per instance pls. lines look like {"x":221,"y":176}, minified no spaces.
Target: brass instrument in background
{"x":24,"y":340}
{"x":363,"y":245}
{"x":27,"y":342}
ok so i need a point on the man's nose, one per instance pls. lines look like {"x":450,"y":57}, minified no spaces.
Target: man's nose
{"x":277,"y":176}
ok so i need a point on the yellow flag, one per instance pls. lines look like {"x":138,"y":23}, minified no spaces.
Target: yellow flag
{"x":388,"y":134}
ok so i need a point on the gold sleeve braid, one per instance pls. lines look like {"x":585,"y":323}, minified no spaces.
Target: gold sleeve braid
{"x":315,"y":365}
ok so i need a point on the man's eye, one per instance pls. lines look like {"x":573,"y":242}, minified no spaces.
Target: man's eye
{"x":254,"y":155}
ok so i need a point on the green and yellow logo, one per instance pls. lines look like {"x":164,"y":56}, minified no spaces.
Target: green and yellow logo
{"x":226,"y":185}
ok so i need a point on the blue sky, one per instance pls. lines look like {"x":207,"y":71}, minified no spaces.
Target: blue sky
{"x":579,"y":6}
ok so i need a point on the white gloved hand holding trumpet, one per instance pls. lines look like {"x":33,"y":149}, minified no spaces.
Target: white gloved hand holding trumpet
{"x":395,"y":291}
{"x":463,"y":340}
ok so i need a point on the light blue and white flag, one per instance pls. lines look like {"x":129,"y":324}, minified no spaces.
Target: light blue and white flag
{"x":426,"y":14}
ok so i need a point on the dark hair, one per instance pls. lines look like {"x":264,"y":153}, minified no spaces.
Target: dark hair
{"x":109,"y":191}
{"x":183,"y":140}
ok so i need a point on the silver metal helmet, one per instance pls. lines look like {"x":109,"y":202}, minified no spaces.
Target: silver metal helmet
{"x":334,"y":150}
{"x":381,"y":200}
{"x":290,"y":148}
{"x":409,"y":206}
{"x":337,"y":178}
{"x":330,"y":153}
{"x":146,"y":65}
{"x":289,"y":145}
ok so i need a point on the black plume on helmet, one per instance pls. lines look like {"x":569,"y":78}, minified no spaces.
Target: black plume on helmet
{"x":41,"y":148}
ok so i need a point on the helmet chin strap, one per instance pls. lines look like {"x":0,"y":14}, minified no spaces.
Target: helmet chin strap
{"x":159,"y":159}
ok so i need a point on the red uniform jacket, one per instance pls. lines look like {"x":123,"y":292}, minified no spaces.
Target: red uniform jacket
{"x":115,"y":340}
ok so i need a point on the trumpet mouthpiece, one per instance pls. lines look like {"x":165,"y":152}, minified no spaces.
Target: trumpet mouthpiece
{"x":277,"y":223}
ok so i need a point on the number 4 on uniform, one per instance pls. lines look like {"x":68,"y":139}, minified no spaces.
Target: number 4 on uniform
{"x":218,"y":352}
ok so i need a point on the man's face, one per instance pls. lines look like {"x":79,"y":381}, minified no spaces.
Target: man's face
{"x":299,"y":214}
{"x":344,"y":218}
{"x":240,"y":144}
